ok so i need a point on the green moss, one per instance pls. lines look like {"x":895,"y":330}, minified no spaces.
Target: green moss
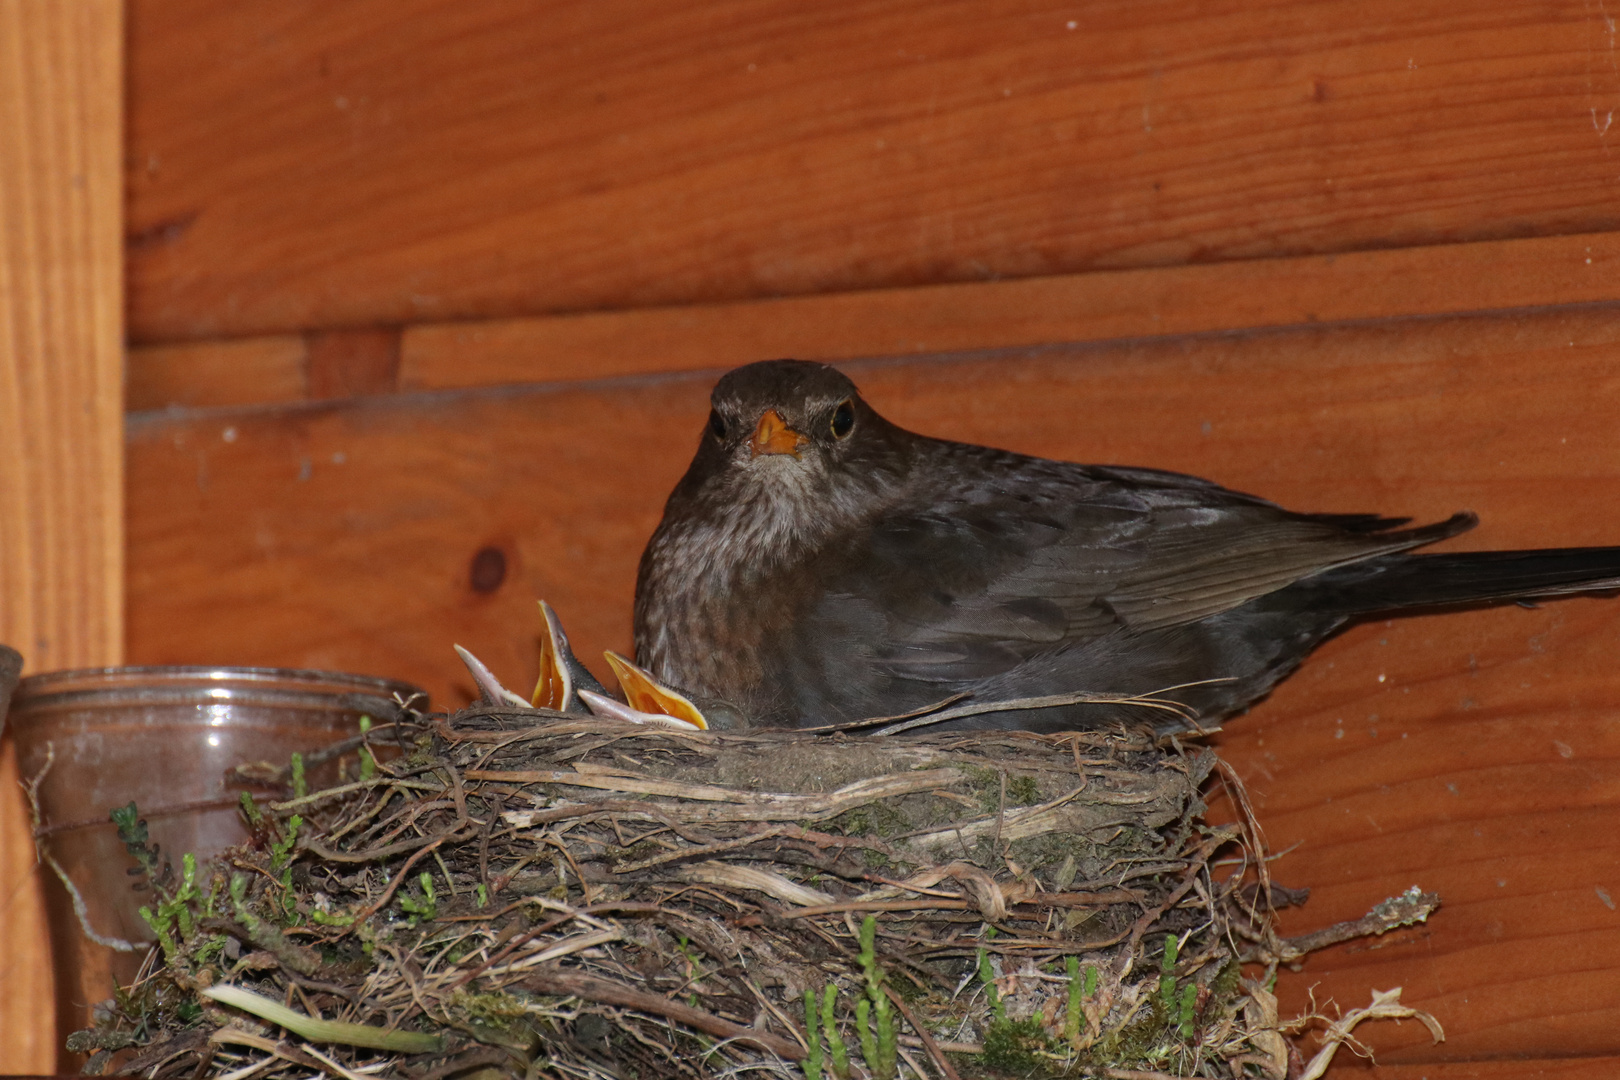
{"x":423,"y":906}
{"x":1135,"y":1043}
{"x":1050,"y":849}
{"x":1013,"y":1045}
{"x":985,"y":785}
{"x":492,"y":1008}
{"x":1225,"y":983}
{"x":873,"y":819}
{"x":1023,"y":791}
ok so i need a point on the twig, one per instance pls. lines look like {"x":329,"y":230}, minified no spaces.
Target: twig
{"x":1042,"y":900}
{"x":388,"y":851}
{"x":743,"y":841}
{"x":393,"y":883}
{"x":940,"y":1060}
{"x":80,"y":910}
{"x":1386,"y":1005}
{"x":873,"y":721}
{"x":570,"y":983}
{"x":1150,"y":700}
{"x":1412,"y":906}
{"x":770,"y":806}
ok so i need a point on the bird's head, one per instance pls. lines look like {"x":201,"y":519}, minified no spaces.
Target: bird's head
{"x":790,"y":449}
{"x":780,"y":417}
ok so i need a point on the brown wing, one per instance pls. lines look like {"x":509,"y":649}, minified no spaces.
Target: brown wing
{"x":953,"y":590}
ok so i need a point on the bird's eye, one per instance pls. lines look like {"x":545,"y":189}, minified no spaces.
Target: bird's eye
{"x":717,"y":424}
{"x":843,"y":419}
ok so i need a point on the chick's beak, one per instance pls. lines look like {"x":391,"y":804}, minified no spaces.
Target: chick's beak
{"x":650,"y":697}
{"x":773,"y":436}
{"x":555,"y":686}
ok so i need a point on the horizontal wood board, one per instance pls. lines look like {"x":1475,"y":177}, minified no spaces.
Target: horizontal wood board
{"x":342,"y":535}
{"x":1444,"y":279}
{"x":311,"y":165}
{"x":1515,"y":1068}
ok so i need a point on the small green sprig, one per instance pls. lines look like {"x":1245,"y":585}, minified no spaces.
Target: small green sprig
{"x":281,"y":848}
{"x":318,"y":1030}
{"x":1167,"y":976}
{"x":1071,"y":1017}
{"x":251,"y":813}
{"x":266,"y":935}
{"x":368,"y":763}
{"x":425,"y":909}
{"x":812,"y":1059}
{"x":1189,"y":998}
{"x":137,"y":841}
{"x":880,"y":1047}
{"x":174,"y":912}
{"x":331,"y":918}
{"x":987,"y":977}
{"x":835,"y":1042}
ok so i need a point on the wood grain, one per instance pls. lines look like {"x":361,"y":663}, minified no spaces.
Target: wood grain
{"x":61,"y":363}
{"x":310,"y":165}
{"x":341,"y":535}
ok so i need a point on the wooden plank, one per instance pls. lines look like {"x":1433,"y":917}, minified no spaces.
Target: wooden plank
{"x":1444,"y":279}
{"x":248,"y":371}
{"x":352,"y":363}
{"x":61,"y":364}
{"x":343,"y":535}
{"x":307,"y":165}
{"x":278,"y":368}
{"x":1165,"y":301}
{"x":1518,"y":1068}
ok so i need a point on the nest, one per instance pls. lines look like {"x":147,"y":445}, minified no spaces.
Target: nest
{"x":529,"y":894}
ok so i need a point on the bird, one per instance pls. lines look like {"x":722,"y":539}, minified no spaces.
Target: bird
{"x":567,"y":686}
{"x":819,"y":565}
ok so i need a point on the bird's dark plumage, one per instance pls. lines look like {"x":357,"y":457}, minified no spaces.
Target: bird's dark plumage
{"x":818,"y":564}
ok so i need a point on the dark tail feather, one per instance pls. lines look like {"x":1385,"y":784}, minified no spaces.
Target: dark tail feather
{"x":1404,"y":581}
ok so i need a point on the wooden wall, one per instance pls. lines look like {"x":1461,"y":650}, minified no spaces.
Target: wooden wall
{"x":411,"y":281}
{"x":1478,"y":754}
{"x":312,"y":164}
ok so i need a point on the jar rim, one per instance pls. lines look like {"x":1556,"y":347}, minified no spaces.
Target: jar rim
{"x":38,"y":688}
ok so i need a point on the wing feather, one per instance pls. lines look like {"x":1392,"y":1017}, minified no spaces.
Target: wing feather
{"x":943,"y":591}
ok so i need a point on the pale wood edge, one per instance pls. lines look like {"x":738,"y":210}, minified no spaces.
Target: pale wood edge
{"x":1113,"y":305}
{"x":61,"y":417}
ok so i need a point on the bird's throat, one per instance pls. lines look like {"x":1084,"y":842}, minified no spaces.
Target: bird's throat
{"x":717,"y":585}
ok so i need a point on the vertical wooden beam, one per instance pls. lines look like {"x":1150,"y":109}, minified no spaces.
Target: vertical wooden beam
{"x":61,"y":430}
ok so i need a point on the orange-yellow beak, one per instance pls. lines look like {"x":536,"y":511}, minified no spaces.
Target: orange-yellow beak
{"x":773,"y":436}
{"x":646,"y":694}
{"x":555,"y":685}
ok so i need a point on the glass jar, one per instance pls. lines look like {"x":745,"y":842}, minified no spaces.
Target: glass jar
{"x":168,"y":739}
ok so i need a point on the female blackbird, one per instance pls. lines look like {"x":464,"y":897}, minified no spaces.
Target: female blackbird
{"x":818,"y":565}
